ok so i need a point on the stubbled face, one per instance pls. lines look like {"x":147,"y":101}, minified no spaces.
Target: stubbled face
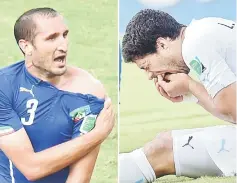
{"x":167,"y":59}
{"x":50,"y":45}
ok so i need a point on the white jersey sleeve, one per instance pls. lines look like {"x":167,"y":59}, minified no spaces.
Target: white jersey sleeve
{"x":209,"y":50}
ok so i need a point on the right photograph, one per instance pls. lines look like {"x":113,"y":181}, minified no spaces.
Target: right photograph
{"x":177,"y":82}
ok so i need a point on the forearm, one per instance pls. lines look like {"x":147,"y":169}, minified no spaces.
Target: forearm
{"x":201,"y":94}
{"x":226,"y":102}
{"x":204,"y":99}
{"x":58,"y":157}
{"x":81,"y":171}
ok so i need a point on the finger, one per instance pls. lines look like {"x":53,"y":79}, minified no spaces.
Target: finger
{"x":157,"y":87}
{"x":110,"y":110}
{"x":163,"y":84}
{"x":155,"y":80}
{"x":177,"y":99}
{"x":163,"y":93}
{"x":107,"y":103}
{"x":150,"y":75}
{"x":173,"y":99}
{"x":160,"y":78}
{"x":170,"y":77}
{"x":113,"y":116}
{"x":160,"y":91}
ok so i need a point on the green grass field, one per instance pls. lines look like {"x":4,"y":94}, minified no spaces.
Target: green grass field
{"x":144,"y":113}
{"x":93,"y":46}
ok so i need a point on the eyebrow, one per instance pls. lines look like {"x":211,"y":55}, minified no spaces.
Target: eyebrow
{"x":66,"y":31}
{"x":52,"y":35}
{"x":55,"y":34}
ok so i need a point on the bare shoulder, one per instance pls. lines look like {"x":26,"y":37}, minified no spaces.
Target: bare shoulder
{"x":81,"y":81}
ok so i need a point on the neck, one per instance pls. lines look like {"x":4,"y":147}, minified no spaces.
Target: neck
{"x":179,"y":43}
{"x":42,"y":74}
{"x":182,"y":34}
{"x":181,"y":39}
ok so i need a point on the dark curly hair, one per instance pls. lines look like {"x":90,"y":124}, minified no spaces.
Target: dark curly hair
{"x":143,"y":31}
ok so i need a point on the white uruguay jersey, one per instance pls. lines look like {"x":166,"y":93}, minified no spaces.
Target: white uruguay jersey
{"x":209,"y":49}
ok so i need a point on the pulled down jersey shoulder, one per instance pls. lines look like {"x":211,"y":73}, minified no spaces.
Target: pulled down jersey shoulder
{"x":209,"y":50}
{"x":84,"y":98}
{"x":82,"y":111}
{"x":83,"y":82}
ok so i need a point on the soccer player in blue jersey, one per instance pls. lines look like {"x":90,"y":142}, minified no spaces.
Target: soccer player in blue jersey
{"x":48,"y":109}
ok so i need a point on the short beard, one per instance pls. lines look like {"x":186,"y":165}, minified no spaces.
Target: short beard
{"x":183,"y":67}
{"x":45,"y":72}
{"x":179,"y":66}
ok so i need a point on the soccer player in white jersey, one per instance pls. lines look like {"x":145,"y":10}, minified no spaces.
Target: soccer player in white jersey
{"x":167,"y":50}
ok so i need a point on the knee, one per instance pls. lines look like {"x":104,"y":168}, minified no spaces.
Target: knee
{"x":163,"y":143}
{"x":166,"y":139}
{"x":159,"y":153}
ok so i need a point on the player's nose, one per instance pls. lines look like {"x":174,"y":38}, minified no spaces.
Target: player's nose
{"x":63,"y":47}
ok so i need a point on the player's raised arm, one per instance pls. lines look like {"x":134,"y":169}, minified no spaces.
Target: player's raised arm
{"x":81,"y":171}
{"x":224,"y":100}
{"x":214,"y":65}
{"x":222,"y":106}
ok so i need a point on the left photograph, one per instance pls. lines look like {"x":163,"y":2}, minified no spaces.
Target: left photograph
{"x":58,"y":92}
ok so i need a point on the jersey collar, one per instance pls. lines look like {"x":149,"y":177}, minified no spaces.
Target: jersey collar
{"x":32,"y":78}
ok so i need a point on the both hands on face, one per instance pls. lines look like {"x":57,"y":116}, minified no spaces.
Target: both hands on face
{"x":173,"y":86}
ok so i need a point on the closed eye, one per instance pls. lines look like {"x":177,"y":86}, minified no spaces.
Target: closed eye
{"x":65,"y":33}
{"x":143,"y":67}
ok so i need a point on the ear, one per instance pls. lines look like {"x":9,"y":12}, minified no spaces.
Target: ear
{"x":161,"y":43}
{"x":26,"y":47}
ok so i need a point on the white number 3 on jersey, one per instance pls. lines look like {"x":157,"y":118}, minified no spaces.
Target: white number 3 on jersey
{"x":31,"y":105}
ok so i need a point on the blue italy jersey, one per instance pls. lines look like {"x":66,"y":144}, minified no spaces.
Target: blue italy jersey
{"x":50,"y":116}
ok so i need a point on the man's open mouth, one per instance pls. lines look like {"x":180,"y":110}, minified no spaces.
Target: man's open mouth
{"x":60,"y":58}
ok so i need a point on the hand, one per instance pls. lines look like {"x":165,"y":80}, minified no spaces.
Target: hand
{"x":106,"y":119}
{"x":164,"y":94}
{"x":175,"y":85}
